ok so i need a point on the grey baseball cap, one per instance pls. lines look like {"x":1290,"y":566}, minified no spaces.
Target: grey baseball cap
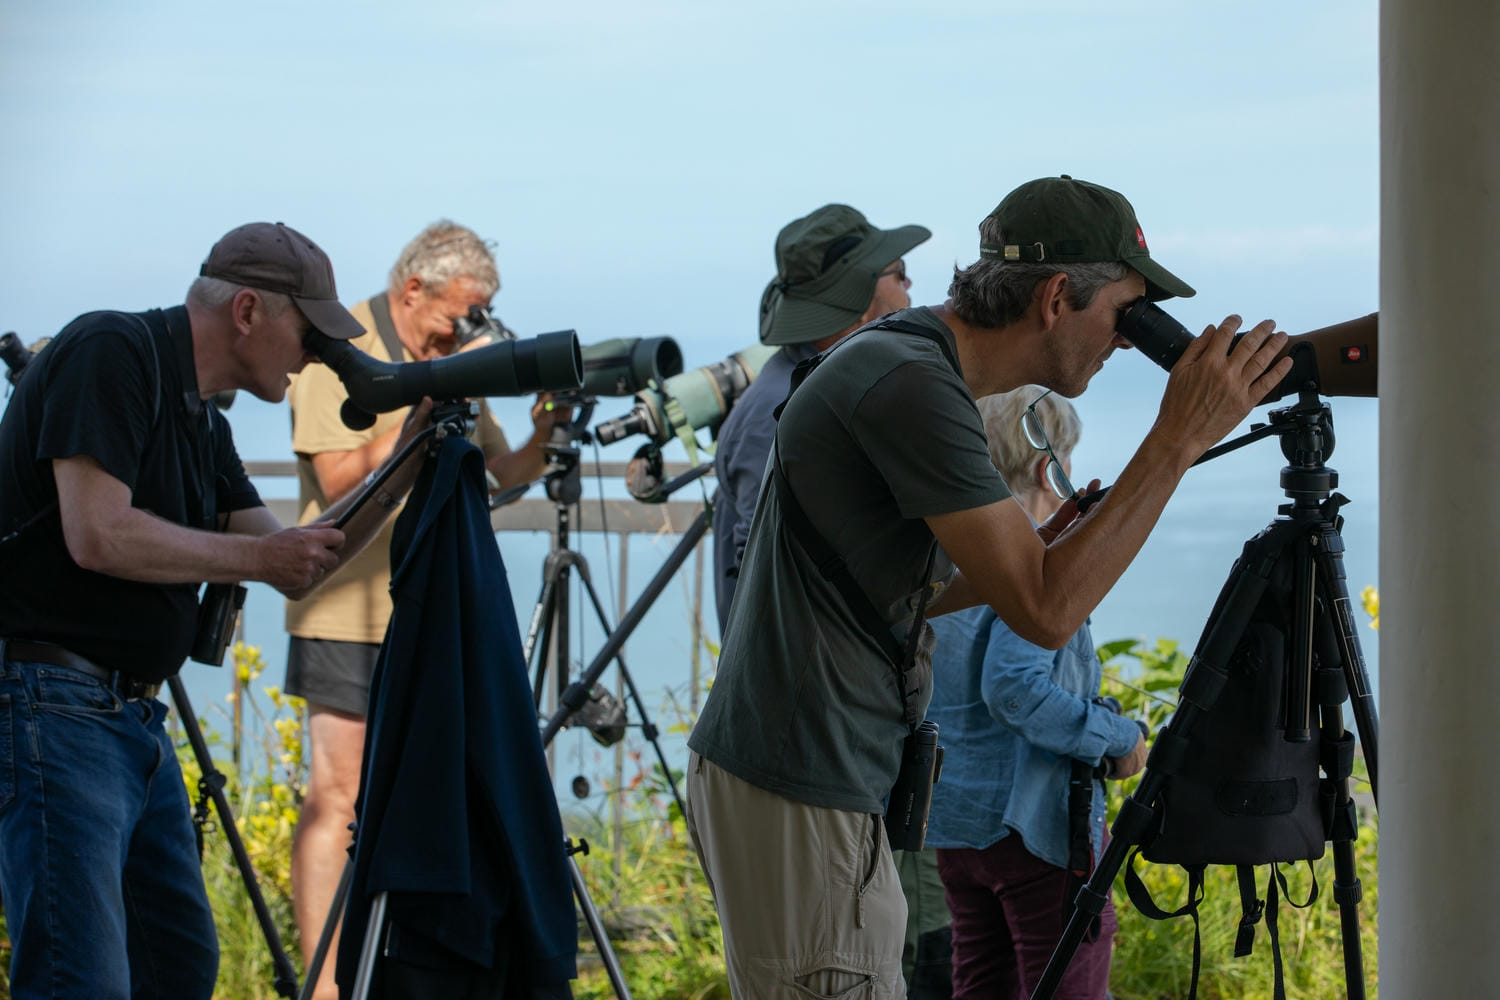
{"x":827,"y":264}
{"x":274,"y":257}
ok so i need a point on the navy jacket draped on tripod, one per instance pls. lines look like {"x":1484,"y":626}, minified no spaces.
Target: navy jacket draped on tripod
{"x":457,"y":816}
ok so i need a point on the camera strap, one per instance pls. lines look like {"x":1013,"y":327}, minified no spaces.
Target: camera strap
{"x":830,"y":564}
{"x":380,"y":308}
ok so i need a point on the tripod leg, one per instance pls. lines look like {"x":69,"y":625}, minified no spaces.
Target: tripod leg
{"x":1337,"y":753}
{"x":213,"y":781}
{"x":371,"y":949}
{"x":1329,"y":555}
{"x":596,"y":929}
{"x":330,"y":925}
{"x":648,"y":728}
{"x":540,"y":630}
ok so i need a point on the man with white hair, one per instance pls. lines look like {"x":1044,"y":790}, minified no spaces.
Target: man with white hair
{"x":442,"y":273}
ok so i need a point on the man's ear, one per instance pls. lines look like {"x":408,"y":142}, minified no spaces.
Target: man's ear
{"x":412,"y":292}
{"x":245,"y":308}
{"x":1051,"y":296}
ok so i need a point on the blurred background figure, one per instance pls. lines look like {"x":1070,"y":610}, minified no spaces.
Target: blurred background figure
{"x":1018,"y":722}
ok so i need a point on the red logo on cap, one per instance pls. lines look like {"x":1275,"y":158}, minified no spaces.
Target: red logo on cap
{"x":1354,"y":354}
{"x":1140,"y":237}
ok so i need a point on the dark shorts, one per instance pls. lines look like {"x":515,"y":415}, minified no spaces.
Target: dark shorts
{"x":331,"y":673}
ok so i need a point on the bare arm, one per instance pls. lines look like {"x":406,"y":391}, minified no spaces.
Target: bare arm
{"x":518,"y":465}
{"x":514,"y":466}
{"x":105,"y":534}
{"x":1043,"y":591}
{"x":339,"y":472}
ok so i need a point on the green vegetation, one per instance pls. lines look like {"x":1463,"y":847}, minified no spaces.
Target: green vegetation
{"x":643,"y":875}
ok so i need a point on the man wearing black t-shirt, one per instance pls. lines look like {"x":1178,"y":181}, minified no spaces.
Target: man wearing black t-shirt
{"x":883,"y":451}
{"x":123,"y":493}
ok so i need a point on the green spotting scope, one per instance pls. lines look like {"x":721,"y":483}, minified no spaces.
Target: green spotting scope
{"x":693,"y":401}
{"x":626,"y":365}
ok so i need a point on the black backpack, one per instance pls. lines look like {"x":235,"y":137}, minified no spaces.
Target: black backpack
{"x":1239,"y":793}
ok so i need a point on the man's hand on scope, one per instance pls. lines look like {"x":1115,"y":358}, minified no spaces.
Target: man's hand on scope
{"x":294,"y":559}
{"x":1212,"y":388}
{"x":547,"y":413}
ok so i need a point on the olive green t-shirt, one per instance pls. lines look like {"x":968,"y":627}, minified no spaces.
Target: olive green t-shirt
{"x":804,"y":704}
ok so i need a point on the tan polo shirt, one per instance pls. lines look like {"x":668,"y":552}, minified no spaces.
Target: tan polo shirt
{"x":355,"y":604}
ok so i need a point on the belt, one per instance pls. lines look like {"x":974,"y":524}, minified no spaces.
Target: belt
{"x":127,"y":687}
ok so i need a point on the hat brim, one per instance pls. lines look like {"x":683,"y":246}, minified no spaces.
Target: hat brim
{"x":795,"y":320}
{"x":1160,"y":283}
{"x":330,"y":318}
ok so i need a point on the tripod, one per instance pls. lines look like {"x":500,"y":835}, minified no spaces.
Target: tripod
{"x":548,"y":631}
{"x":1326,"y":666}
{"x":211,"y":783}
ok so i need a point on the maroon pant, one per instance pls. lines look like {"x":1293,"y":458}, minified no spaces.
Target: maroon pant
{"x":1009,"y":909}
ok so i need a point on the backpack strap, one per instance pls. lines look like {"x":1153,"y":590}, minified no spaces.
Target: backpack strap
{"x":1080,"y":843}
{"x":1140,"y":898}
{"x":1251,"y":910}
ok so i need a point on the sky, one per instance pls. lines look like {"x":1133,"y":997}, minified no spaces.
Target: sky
{"x":633,"y":163}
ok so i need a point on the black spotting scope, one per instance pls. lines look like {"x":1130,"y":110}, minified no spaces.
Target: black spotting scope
{"x":511,"y":368}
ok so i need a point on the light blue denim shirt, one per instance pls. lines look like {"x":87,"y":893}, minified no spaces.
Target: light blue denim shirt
{"x":1011,"y":718}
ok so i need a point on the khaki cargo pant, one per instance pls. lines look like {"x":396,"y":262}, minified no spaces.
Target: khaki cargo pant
{"x":808,"y":897}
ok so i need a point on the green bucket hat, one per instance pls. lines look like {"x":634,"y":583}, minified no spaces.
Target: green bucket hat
{"x":827,"y":264}
{"x":1064,"y":221}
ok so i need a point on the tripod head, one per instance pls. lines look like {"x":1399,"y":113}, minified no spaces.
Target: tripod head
{"x":562,"y":479}
{"x":1307,"y":441}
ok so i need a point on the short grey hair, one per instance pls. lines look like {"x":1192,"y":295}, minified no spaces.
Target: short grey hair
{"x":211,"y":293}
{"x":444,"y":251}
{"x":1011,"y":452}
{"x":994,"y":293}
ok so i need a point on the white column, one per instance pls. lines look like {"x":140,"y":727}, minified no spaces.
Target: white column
{"x":1440,"y":498}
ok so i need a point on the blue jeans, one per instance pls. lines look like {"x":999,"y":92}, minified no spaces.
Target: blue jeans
{"x":99,"y":870}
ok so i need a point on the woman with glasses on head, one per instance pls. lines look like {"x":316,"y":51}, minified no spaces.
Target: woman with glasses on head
{"x":1016,"y":834}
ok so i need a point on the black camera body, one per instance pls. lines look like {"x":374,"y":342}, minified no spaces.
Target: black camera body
{"x":15,"y":355}
{"x":479,"y":324}
{"x":911,"y":796}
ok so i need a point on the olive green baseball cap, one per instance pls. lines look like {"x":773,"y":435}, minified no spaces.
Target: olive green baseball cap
{"x":1065,"y":221}
{"x":827,"y":264}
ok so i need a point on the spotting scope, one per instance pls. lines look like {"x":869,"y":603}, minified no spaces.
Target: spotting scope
{"x":693,"y":401}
